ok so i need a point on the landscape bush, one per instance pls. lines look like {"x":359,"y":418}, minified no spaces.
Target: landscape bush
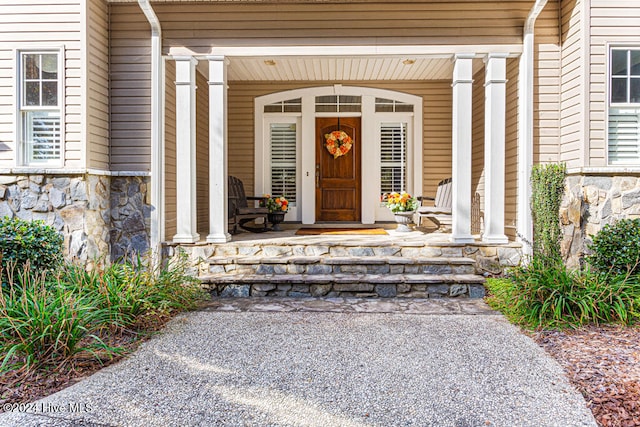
{"x":548,"y":295}
{"x":544,"y":293}
{"x":28,"y":241}
{"x":47,"y":319}
{"x":616,"y":248}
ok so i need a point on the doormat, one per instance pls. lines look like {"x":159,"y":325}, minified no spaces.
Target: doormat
{"x":340,"y":231}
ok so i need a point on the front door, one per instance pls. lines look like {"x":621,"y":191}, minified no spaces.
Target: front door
{"x":337,"y":177}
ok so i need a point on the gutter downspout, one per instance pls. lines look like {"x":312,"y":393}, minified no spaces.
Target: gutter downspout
{"x":524,"y":224}
{"x":157,"y":146}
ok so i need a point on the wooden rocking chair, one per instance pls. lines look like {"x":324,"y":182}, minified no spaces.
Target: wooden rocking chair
{"x":240,"y":213}
{"x":440,"y":212}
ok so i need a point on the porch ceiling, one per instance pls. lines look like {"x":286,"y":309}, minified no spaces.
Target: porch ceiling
{"x":259,"y":68}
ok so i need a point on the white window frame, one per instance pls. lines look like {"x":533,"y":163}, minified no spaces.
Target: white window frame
{"x":21,"y":159}
{"x":282,"y":118}
{"x":618,"y":105}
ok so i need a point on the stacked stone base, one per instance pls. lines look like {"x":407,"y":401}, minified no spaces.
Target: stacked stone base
{"x":347,"y":285}
{"x":343,"y":268}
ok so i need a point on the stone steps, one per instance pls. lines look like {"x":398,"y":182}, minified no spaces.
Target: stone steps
{"x":313,"y":265}
{"x":353,"y":266}
{"x":345,"y":285}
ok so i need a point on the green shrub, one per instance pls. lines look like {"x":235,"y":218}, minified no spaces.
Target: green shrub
{"x":47,"y":319}
{"x":543,"y":294}
{"x":547,"y":187}
{"x":131,"y":290}
{"x":32,"y":241}
{"x":616,"y":248}
{"x":46,"y":325}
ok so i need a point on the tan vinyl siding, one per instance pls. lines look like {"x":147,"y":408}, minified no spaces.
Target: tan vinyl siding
{"x":130,"y":53}
{"x":477,"y":174}
{"x":511,"y":148}
{"x":371,"y":22}
{"x":617,"y":23}
{"x":572,"y":92}
{"x":98,"y":84}
{"x":170,"y":150}
{"x":202,"y":154}
{"x":546,"y":113}
{"x":437,"y":106}
{"x":33,"y":24}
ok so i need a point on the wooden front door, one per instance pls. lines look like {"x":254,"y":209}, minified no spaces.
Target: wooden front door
{"x":337,"y":179}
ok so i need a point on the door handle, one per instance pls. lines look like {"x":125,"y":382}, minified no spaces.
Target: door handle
{"x":317,"y":176}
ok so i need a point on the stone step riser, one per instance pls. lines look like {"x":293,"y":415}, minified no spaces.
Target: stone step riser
{"x":341,"y":268}
{"x":356,"y":289}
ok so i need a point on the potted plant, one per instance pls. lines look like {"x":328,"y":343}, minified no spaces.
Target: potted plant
{"x":277,"y":207}
{"x":403,"y":207}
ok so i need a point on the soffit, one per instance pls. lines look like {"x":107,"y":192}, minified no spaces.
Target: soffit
{"x":338,"y":68}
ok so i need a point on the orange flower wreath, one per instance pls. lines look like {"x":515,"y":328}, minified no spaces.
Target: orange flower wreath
{"x":338,"y":143}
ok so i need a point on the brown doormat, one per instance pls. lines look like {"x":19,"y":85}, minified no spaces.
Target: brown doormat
{"x":344,"y":231}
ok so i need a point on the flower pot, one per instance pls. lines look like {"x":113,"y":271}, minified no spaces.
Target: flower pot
{"x":275,"y":218}
{"x":404,"y":220}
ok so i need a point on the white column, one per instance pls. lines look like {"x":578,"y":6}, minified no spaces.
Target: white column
{"x":186,"y":219}
{"x":462,"y":133}
{"x":218,"y":192}
{"x":494,"y":147}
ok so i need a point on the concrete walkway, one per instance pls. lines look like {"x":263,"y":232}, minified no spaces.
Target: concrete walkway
{"x":256,"y":362}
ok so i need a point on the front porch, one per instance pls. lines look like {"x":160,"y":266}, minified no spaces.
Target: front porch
{"x":416,"y":264}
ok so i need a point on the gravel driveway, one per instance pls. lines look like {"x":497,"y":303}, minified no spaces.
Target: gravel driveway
{"x":249,"y":367}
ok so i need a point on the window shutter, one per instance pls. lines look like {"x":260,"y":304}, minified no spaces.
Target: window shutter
{"x":283,"y":161}
{"x":393,"y":157}
{"x":624,"y":136}
{"x":42,"y":132}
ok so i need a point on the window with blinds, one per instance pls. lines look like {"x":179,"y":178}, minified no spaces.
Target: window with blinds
{"x":42,"y":136}
{"x":283,"y":160}
{"x":393,"y":157}
{"x":624,"y":136}
{"x":40,"y":107}
{"x":624,"y":109}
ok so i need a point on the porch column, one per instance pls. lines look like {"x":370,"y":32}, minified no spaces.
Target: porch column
{"x":186,"y":219}
{"x":462,"y":132}
{"x":494,"y":147}
{"x":218,"y":192}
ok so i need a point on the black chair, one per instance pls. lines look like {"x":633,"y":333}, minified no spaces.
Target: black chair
{"x":240,"y":213}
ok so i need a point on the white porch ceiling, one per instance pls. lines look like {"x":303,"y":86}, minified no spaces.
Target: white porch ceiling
{"x":258,"y":68}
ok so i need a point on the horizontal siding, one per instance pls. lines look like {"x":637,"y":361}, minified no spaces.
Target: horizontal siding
{"x":197,"y":25}
{"x":37,"y":24}
{"x":202,"y":154}
{"x":616,"y":22}
{"x":511,"y":150}
{"x":572,"y":90}
{"x":546,"y":131}
{"x":170,"y":151}
{"x":130,"y":63}
{"x":477,"y":174}
{"x":98,"y":84}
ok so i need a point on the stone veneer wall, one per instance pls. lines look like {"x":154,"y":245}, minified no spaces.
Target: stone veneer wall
{"x":130,"y":215}
{"x":589,"y":203}
{"x":100,"y":217}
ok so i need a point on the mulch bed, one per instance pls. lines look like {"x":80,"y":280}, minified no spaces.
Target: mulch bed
{"x":603,"y":363}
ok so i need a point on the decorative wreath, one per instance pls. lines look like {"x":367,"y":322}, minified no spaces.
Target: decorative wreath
{"x":338,"y":143}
